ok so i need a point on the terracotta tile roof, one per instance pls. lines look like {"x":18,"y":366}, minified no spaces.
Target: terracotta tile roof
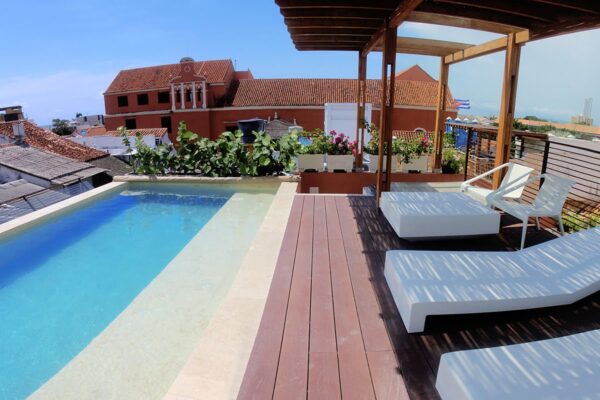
{"x":157,"y":132}
{"x":42,"y":139}
{"x":414,"y":73}
{"x":411,"y":135}
{"x":317,"y":92}
{"x":161,"y":75}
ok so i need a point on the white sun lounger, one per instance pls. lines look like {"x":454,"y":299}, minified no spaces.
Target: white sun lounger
{"x":561,"y":368}
{"x":419,"y":215}
{"x":557,"y":272}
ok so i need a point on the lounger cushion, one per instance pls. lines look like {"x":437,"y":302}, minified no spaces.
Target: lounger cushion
{"x":556,"y":272}
{"x":478,"y":193}
{"x":561,"y":368}
{"x":416,"y":215}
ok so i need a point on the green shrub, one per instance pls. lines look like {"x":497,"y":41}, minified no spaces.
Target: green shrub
{"x":453,"y":161}
{"x":225,"y":156}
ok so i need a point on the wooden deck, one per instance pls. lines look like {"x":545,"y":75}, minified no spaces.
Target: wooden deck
{"x":330,"y":328}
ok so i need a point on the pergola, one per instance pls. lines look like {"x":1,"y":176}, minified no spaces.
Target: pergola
{"x":371,"y":25}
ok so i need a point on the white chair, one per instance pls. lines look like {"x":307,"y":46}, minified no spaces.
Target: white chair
{"x":561,"y":368}
{"x":515,"y":175}
{"x":557,"y":272}
{"x":549,"y":201}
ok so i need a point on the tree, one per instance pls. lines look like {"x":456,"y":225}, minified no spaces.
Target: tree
{"x":61,"y":127}
{"x":77,"y":115}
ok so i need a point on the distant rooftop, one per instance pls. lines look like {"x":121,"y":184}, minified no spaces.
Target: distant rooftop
{"x":160,"y":76}
{"x":45,"y":140}
{"x":51,"y":167}
{"x":316,"y":92}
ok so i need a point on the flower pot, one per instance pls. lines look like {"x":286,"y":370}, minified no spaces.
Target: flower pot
{"x":311,"y":161}
{"x":374,"y":162}
{"x":340,"y":162}
{"x":416,"y":164}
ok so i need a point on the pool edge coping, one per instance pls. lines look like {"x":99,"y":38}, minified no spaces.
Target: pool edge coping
{"x":200,"y":378}
{"x":206,"y":179}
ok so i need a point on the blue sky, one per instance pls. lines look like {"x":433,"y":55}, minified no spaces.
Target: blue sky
{"x":58,"y":57}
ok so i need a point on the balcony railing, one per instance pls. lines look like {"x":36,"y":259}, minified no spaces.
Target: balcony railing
{"x":575,"y":159}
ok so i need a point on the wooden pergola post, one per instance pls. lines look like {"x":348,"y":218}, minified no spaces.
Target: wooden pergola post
{"x":388,"y":72}
{"x":360,"y":108}
{"x":507,"y":106}
{"x":440,"y":121}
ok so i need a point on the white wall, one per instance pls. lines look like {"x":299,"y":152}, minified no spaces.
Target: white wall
{"x":112,"y":144}
{"x":341,"y":117}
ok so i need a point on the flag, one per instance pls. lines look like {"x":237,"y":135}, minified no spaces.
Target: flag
{"x":462,"y":104}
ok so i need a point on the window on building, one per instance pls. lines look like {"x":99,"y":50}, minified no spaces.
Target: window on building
{"x":130,"y":123}
{"x":164,"y":97}
{"x":142,"y":99}
{"x":188,"y":95}
{"x":165,"y":122}
{"x":122,"y":101}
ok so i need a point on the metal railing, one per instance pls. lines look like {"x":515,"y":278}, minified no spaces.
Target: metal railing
{"x":574,"y":159}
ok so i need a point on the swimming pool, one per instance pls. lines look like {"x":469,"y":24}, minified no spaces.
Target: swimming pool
{"x":64,"y":281}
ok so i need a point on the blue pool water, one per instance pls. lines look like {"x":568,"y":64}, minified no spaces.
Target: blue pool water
{"x":63,"y":281}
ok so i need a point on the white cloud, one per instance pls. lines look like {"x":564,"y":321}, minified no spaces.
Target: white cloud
{"x":57,"y":95}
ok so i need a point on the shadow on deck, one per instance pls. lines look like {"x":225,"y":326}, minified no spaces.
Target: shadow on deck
{"x":330,"y":327}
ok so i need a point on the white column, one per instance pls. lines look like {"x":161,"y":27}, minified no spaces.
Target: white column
{"x":203,"y":94}
{"x":193,"y":94}
{"x":172,"y":97}
{"x":182,"y":88}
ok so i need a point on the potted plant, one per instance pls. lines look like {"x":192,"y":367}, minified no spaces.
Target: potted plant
{"x":414,"y":154}
{"x":311,"y":155}
{"x":340,"y":152}
{"x":452,"y":161}
{"x":372,"y":149}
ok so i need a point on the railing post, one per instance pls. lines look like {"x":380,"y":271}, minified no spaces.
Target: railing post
{"x":387,"y":109}
{"x":545,"y":159}
{"x":467,"y":150}
{"x":360,"y":108}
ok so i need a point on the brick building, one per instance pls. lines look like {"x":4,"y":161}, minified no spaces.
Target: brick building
{"x":211,"y":96}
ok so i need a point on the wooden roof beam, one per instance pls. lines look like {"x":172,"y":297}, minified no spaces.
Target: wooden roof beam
{"x":459,"y":22}
{"x":519,"y":9}
{"x":486,"y":48}
{"x":359,"y":4}
{"x":399,"y":15}
{"x":426,"y":47}
{"x":331,"y":22}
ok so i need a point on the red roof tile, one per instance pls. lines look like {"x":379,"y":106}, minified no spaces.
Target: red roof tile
{"x":42,"y":139}
{"x":161,"y":75}
{"x":414,"y":73}
{"x":317,"y":92}
{"x":411,"y":135}
{"x":157,"y":132}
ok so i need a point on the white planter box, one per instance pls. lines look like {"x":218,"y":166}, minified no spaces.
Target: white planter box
{"x":374,"y":160}
{"x":311,"y":161}
{"x":338,"y":162}
{"x":416,"y":164}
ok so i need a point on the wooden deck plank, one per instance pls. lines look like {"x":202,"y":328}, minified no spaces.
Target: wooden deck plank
{"x":387,"y":381}
{"x":355,"y":377}
{"x":374,"y":333}
{"x":322,"y":326}
{"x":292,"y":374}
{"x":259,"y":378}
{"x":323,"y":372}
{"x":323,"y":376}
